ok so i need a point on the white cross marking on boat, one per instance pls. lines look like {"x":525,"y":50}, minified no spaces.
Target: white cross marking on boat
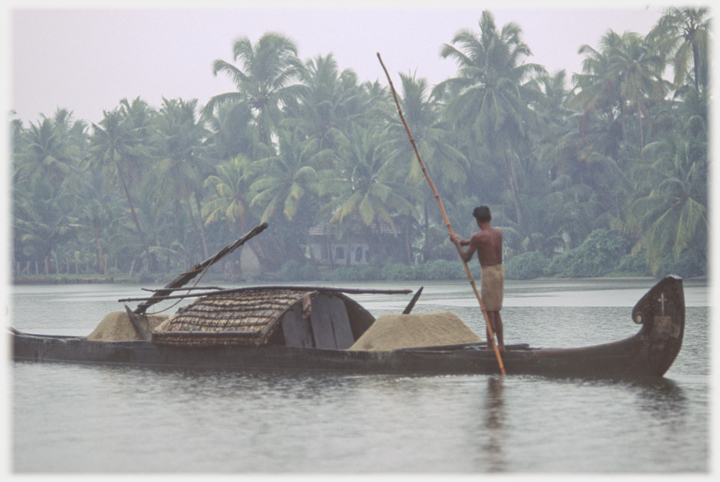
{"x":662,"y":303}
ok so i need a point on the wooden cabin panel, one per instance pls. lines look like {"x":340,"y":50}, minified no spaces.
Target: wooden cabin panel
{"x":321,"y":321}
{"x":296,"y":329}
{"x":360,"y":318}
{"x":330,"y":323}
{"x":344,"y":338}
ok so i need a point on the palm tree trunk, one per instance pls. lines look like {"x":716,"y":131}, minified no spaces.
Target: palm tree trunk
{"x":622,"y":123}
{"x":522,"y":220}
{"x":427,"y":229}
{"x":640,"y":127}
{"x":141,"y":233}
{"x":203,"y":237}
{"x":197,"y":230}
{"x":408,"y":247}
{"x":696,"y":67}
{"x":382,"y":250}
{"x":328,"y":247}
{"x":306,"y":230}
{"x":101,"y":259}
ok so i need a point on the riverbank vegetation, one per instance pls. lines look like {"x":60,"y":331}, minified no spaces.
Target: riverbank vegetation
{"x":593,"y":173}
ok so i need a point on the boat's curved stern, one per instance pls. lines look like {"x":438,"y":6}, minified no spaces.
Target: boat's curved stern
{"x":662,"y":313}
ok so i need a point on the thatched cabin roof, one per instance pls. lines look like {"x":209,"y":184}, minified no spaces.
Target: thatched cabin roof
{"x":255,"y":316}
{"x":243,"y":317}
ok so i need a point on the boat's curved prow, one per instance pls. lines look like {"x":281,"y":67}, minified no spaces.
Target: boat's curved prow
{"x":662,"y":313}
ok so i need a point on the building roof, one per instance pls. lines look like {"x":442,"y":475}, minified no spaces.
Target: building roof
{"x":321,"y":229}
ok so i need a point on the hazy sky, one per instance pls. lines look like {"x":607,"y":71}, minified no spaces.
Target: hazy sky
{"x":86,"y":60}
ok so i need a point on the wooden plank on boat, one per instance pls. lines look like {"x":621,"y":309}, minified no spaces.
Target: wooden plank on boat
{"x":137,"y":324}
{"x":160,"y":295}
{"x":296,"y":329}
{"x":414,"y":299}
{"x":330,"y":323}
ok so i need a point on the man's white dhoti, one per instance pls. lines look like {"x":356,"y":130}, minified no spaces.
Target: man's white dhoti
{"x":493,"y":283}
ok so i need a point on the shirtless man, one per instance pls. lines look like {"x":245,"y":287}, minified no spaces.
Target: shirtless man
{"x":488,"y":244}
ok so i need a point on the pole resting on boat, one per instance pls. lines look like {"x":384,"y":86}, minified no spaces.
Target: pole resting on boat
{"x":223,"y":291}
{"x":414,"y":299}
{"x":137,"y":324}
{"x":197,"y":269}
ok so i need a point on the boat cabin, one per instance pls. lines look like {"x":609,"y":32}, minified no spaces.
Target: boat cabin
{"x":302,"y":318}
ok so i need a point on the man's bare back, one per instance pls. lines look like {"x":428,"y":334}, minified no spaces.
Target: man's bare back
{"x":487,"y":243}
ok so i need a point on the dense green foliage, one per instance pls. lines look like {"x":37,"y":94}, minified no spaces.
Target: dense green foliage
{"x":596,"y":256}
{"x":605,"y":175}
{"x":528,"y":265}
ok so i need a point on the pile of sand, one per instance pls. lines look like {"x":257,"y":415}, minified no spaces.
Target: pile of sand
{"x":391,"y":332}
{"x":116,"y":326}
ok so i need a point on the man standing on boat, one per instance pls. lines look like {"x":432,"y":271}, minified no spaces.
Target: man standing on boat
{"x":488,"y":244}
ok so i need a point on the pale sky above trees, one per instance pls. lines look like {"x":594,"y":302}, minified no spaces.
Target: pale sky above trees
{"x":63,"y":54}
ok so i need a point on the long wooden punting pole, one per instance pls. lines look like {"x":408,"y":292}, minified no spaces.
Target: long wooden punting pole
{"x":491,"y":339}
{"x":197,"y":269}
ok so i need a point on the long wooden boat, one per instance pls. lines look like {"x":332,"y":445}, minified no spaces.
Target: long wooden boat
{"x":311,"y":328}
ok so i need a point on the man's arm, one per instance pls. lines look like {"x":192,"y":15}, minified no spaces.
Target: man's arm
{"x":465,"y":255}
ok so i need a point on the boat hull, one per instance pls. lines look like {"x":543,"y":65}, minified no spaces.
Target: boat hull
{"x":622,"y":359}
{"x":649,"y":353}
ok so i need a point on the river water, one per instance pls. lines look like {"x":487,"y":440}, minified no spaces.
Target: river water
{"x":68,"y":418}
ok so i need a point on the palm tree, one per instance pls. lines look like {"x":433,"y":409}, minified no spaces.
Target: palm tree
{"x":494,"y":89}
{"x":684,"y":34}
{"x":228,"y":202}
{"x":598,"y":86}
{"x":52,"y":153}
{"x":555,"y":109}
{"x":75,"y":132}
{"x":670,"y":207}
{"x":117,"y":148}
{"x":229,"y":132}
{"x":182,"y":169}
{"x":433,"y":136}
{"x":18,"y":138}
{"x":577,"y":149}
{"x":97,"y":210}
{"x":672,"y":213}
{"x":639,"y":70}
{"x":285,"y":187}
{"x":325,"y":102}
{"x":362,"y":186}
{"x":42,"y":219}
{"x":285,"y":179}
{"x":265,"y":81}
{"x":625,"y":76}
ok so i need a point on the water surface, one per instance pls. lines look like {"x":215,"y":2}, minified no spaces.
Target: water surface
{"x":69,"y":418}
